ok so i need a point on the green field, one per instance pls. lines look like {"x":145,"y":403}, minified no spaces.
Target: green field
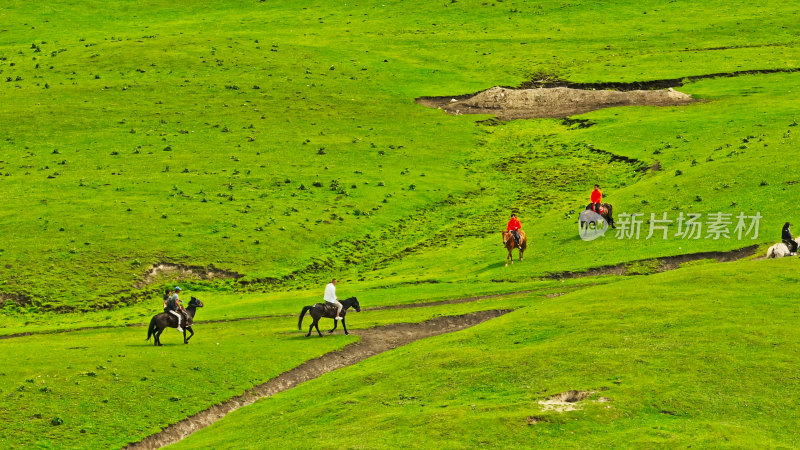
{"x":278,"y":144}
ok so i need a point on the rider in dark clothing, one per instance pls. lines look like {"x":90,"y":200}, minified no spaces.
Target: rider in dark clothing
{"x":173,"y":306}
{"x":167,"y":296}
{"x":787,"y":238}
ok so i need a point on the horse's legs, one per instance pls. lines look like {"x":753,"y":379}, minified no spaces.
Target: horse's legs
{"x":335,"y":324}
{"x":185,"y":339}
{"x":344,"y":326}
{"x":521,"y":251}
{"x":157,"y":337}
{"x":310,"y":327}
{"x":316,"y":325}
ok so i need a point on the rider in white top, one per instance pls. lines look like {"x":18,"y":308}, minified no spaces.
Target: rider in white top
{"x":330,"y":297}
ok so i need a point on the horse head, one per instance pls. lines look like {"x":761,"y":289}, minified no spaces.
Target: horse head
{"x":195,"y":302}
{"x":351,"y":302}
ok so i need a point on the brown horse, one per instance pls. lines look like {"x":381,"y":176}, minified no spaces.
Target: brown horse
{"x":508,"y":241}
{"x":321,"y":310}
{"x":166,"y":320}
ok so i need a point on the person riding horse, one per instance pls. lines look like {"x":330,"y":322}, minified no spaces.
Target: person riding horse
{"x":604,"y":209}
{"x":514,"y":226}
{"x":331,"y":299}
{"x":174,"y":307}
{"x":596,"y":198}
{"x":786,"y":237}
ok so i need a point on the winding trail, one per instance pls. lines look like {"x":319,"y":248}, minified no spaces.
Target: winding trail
{"x":664,"y":263}
{"x":372,"y":341}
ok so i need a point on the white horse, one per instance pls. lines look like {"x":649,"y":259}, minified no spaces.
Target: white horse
{"x":780,"y":250}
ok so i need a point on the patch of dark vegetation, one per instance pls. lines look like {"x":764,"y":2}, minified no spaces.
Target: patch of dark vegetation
{"x":637,"y":164}
{"x":491,"y":122}
{"x":644,"y":85}
{"x":577,"y":123}
{"x":14,"y":298}
{"x":656,"y":265}
{"x":533,"y":420}
{"x":732,"y":47}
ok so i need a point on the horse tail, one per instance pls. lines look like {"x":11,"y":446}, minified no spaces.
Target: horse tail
{"x":302,"y":314}
{"x":771,"y":252}
{"x":151,"y":329}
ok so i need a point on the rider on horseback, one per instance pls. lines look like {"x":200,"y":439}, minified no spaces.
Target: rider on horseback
{"x":514,"y":226}
{"x":597,"y":205}
{"x":174,"y":306}
{"x":596,"y":198}
{"x":167,"y":296}
{"x":330,"y":297}
{"x":787,"y":238}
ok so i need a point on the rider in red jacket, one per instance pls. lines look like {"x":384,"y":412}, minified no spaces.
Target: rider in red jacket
{"x":514,"y":226}
{"x":596,"y":198}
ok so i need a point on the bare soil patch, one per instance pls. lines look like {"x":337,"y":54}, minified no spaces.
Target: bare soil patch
{"x":558,"y":102}
{"x":565,"y":401}
{"x":18,"y":299}
{"x":185,"y":272}
{"x":548,"y":96}
{"x":373,"y":341}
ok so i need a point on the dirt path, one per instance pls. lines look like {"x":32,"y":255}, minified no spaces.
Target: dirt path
{"x":660,"y":265}
{"x":372,"y":342}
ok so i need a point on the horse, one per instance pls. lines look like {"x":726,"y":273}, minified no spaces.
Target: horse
{"x":780,"y":250}
{"x":586,"y":219}
{"x":321,"y":310}
{"x":606,"y":211}
{"x":508,"y":241}
{"x":164,"y":320}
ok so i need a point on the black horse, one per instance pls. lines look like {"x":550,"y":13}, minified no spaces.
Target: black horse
{"x":605,"y":210}
{"x":321,"y":310}
{"x":167,"y":320}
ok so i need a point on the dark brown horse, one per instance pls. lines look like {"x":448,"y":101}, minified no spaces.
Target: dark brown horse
{"x":605,"y":210}
{"x":508,"y":241}
{"x":166,"y":320}
{"x":321,"y":310}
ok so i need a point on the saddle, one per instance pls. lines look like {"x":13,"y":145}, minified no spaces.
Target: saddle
{"x":328,"y":308}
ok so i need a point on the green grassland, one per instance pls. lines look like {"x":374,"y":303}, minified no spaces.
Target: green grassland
{"x":687,"y":358}
{"x":281,"y":141}
{"x":85,"y":379}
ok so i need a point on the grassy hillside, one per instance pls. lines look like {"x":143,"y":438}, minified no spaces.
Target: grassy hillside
{"x":275,"y":145}
{"x":269,"y":138}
